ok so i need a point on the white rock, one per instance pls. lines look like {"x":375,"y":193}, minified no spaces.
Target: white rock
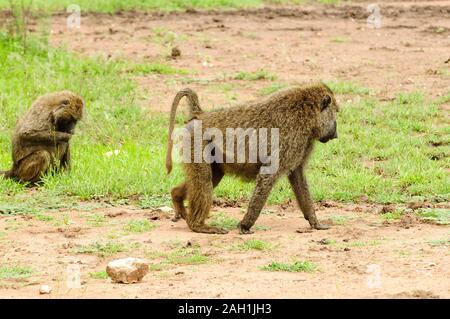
{"x":45,"y":289}
{"x":127,"y":270}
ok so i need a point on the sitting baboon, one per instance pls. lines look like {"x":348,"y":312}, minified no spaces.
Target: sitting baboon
{"x":300,"y":116}
{"x":41,"y":138}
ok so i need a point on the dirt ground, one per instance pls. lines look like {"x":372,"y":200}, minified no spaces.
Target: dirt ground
{"x":347,"y":256}
{"x":360,"y":256}
{"x":297,"y":44}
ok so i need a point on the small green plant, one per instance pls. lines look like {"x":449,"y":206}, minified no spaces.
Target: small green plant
{"x":298,"y":266}
{"x":267,"y":90}
{"x":395,"y":215}
{"x":253,"y":244}
{"x":158,"y":68}
{"x":97,"y":220}
{"x":221,"y":220}
{"x":154,"y":201}
{"x":439,"y":242}
{"x":98,"y":275}
{"x":157,"y":267}
{"x":261,"y":227}
{"x":187,"y":256}
{"x":347,"y":88}
{"x":254,"y":76}
{"x":43,"y":217}
{"x":139,"y":226}
{"x":440,"y":216}
{"x":102,"y":249}
{"x":338,"y":40}
{"x":340,"y":219}
{"x":15,"y":272}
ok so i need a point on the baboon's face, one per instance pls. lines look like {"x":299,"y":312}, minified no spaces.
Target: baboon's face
{"x":328,"y":110}
{"x":68,"y":112}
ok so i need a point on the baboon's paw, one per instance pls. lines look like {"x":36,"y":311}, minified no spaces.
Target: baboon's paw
{"x":320,"y":226}
{"x":244,"y":231}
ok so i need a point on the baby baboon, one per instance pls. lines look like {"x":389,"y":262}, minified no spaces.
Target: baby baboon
{"x":42,"y":135}
{"x":300,"y":115}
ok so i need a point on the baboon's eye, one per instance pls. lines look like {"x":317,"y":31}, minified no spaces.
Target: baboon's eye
{"x":65,"y":102}
{"x":325,"y":102}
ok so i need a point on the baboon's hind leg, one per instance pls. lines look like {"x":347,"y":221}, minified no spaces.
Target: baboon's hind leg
{"x":31,"y":168}
{"x":179,"y":194}
{"x":200,"y":189}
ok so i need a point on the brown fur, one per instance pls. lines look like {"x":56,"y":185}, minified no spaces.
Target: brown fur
{"x":194,"y":111}
{"x":41,"y":138}
{"x":302,"y":114}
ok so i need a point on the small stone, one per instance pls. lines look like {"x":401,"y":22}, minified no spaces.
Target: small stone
{"x":176,"y":52}
{"x":116,"y":213}
{"x":45,"y":289}
{"x":127,"y":270}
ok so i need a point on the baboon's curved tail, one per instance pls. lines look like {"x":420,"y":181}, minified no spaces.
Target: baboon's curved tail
{"x":194,"y":110}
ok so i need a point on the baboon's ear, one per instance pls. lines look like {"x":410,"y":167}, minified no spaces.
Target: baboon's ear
{"x":325,"y":102}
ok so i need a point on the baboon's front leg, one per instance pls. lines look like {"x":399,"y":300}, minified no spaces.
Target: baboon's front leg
{"x":300,"y":187}
{"x":179,"y":194}
{"x":264,"y":184}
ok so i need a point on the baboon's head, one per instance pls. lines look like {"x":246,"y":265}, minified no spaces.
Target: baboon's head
{"x":68,"y":110}
{"x":328,"y":110}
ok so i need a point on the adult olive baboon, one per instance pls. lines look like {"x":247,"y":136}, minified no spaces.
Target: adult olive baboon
{"x":301,"y":115}
{"x":41,"y":138}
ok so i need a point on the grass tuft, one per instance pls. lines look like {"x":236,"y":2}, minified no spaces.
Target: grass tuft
{"x":298,"y":266}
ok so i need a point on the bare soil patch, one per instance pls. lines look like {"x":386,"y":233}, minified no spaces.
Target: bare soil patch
{"x":410,"y":260}
{"x":297,"y":44}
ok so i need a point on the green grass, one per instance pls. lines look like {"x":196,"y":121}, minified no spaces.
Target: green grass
{"x":224,"y":221}
{"x":111,"y":6}
{"x":255,"y":76}
{"x":179,"y":255}
{"x":96,"y":220}
{"x":338,"y":40}
{"x":253,"y":244}
{"x":396,"y":138}
{"x":439,"y":242}
{"x":15,"y":272}
{"x":158,"y":68}
{"x":187,"y":256}
{"x":98,"y":275}
{"x":440,"y":216}
{"x":267,"y":90}
{"x":344,"y":87}
{"x":102,"y":249}
{"x":298,"y":266}
{"x":340,"y":220}
{"x":139,"y":226}
{"x":395,"y":215}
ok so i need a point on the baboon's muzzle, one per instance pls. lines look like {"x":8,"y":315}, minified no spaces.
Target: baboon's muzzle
{"x":332,"y":135}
